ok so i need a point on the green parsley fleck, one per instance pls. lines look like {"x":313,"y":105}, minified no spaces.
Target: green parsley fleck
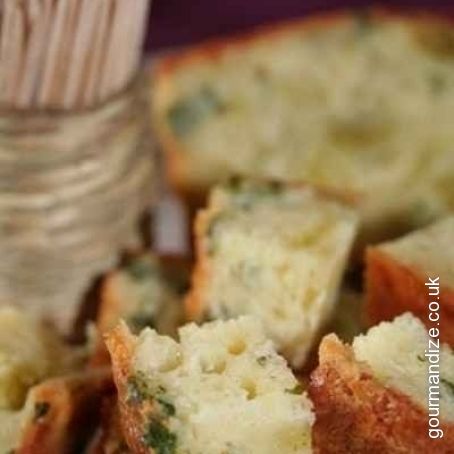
{"x":448,"y":385}
{"x":190,"y":112}
{"x":167,"y":408}
{"x":139,"y":321}
{"x":41,"y":410}
{"x":262,"y":360}
{"x":137,"y":389}
{"x":140,"y":268}
{"x":160,"y":438}
{"x":298,"y":390}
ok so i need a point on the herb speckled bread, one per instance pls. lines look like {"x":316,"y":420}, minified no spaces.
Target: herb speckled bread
{"x":275,"y":251}
{"x":398,"y":270}
{"x":372,"y":397}
{"x":43,"y":399}
{"x":362,"y":102}
{"x":221,"y":389}
{"x":145,"y":291}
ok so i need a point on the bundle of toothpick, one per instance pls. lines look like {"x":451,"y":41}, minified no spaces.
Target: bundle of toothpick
{"x":68,"y":54}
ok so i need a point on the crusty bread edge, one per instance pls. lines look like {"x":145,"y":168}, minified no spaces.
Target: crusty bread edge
{"x":356,"y":414}
{"x":109,"y":309}
{"x":121,"y":345}
{"x":393,"y":288}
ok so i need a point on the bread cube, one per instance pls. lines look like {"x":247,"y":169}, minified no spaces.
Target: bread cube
{"x":145,"y":291}
{"x":274,"y":251}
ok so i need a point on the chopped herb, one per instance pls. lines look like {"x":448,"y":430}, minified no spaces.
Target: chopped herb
{"x":298,"y":389}
{"x":167,"y":408}
{"x":248,"y":194}
{"x":421,"y":358}
{"x":141,"y":268}
{"x":160,"y":438}
{"x":212,"y":232}
{"x":41,"y":410}
{"x":188,"y":113}
{"x":262,"y":360}
{"x":448,"y":385}
{"x":139,"y":321}
{"x":137,"y":389}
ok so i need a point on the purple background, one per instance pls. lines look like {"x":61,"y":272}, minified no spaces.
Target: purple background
{"x":178,"y":22}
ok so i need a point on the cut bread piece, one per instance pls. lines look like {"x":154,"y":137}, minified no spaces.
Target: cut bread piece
{"x":58,"y":415}
{"x":274,"y":251}
{"x":397,"y":273}
{"x":221,"y":389}
{"x":373,"y":396}
{"x":42,"y":398}
{"x":145,"y":291}
{"x":325,"y":100}
{"x":30,"y":352}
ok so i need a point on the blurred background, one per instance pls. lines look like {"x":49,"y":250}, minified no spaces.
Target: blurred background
{"x":180,"y":22}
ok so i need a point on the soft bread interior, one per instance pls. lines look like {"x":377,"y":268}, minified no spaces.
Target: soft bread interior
{"x":222,"y":389}
{"x":395,"y":351}
{"x":278,"y":254}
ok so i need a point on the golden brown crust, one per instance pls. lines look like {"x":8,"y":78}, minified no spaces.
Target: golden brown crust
{"x":61,"y":411}
{"x":110,"y":311}
{"x":121,"y":345}
{"x":393,"y":288}
{"x":355,"y":414}
{"x":214,"y":49}
{"x":194,"y":301}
